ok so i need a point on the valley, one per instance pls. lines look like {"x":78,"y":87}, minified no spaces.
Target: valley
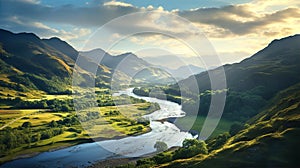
{"x":130,"y":108}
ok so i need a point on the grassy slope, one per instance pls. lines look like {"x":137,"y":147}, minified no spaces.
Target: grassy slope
{"x":223,"y":126}
{"x":270,"y":141}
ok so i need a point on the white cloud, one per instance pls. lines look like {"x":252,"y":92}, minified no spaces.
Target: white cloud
{"x":117,"y":3}
{"x":245,"y":27}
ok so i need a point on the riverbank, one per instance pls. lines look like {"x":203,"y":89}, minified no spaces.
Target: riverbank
{"x":110,"y":163}
{"x":31,"y":152}
{"x":84,"y":155}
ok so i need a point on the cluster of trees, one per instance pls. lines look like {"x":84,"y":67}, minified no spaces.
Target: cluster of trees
{"x":68,"y":121}
{"x":11,"y":138}
{"x":10,"y":101}
{"x":141,"y":91}
{"x":103,"y":103}
{"x":167,"y":95}
{"x":54,"y":104}
{"x":87,"y":116}
{"x":143,"y":121}
{"x":49,"y":133}
{"x":150,"y":107}
{"x":17,"y":87}
{"x":240,"y":105}
{"x":112,"y":113}
{"x":107,"y":100}
{"x":25,"y":134}
{"x":55,"y":85}
{"x":190,"y":147}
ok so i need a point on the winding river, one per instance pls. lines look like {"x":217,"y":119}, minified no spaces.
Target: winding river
{"x":85,"y":154}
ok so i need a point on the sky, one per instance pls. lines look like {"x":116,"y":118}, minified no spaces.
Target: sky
{"x":231,"y":29}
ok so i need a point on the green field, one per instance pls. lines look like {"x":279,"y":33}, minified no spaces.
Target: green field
{"x":49,"y":129}
{"x":223,"y":126}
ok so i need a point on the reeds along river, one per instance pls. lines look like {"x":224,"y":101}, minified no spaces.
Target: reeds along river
{"x":85,"y":154}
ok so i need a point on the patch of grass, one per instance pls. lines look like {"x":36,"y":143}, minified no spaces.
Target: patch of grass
{"x":223,"y":126}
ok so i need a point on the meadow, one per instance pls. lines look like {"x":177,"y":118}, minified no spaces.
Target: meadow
{"x":223,"y":125}
{"x":26,"y":132}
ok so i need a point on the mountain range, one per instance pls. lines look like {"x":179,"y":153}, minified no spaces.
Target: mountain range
{"x":263,"y":93}
{"x":263,"y":96}
{"x":31,"y":65}
{"x":252,"y":82}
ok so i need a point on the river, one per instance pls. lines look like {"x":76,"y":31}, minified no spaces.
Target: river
{"x":85,"y":154}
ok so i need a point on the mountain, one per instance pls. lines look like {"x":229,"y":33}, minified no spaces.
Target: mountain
{"x":63,"y":47}
{"x":33,"y":66}
{"x":270,"y":139}
{"x":264,"y":97}
{"x":30,"y":65}
{"x":250,"y":83}
{"x":131,"y":65}
{"x":184,"y":71}
{"x":172,"y":61}
{"x":278,"y":62}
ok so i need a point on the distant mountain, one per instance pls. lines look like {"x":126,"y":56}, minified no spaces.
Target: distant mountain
{"x":184,"y":71}
{"x":172,"y":61}
{"x":133,"y":66}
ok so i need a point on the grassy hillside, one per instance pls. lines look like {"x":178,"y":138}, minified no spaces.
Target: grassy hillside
{"x":271,"y":140}
{"x":31,"y":66}
{"x":263,"y":94}
{"x":250,"y":83}
{"x":28,"y":64}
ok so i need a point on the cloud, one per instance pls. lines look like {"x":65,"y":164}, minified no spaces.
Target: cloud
{"x":259,"y":20}
{"x":224,"y":21}
{"x":240,"y":19}
{"x":22,"y":25}
{"x":77,"y":16}
{"x":117,"y":3}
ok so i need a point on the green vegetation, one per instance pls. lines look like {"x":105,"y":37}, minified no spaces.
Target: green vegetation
{"x":190,"y":147}
{"x":268,"y":139}
{"x":262,"y":105}
{"x":223,"y":126}
{"x":160,"y":146}
{"x":50,"y":121}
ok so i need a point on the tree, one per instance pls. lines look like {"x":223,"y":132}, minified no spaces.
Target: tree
{"x":235,"y":128}
{"x":38,"y":137}
{"x":26,"y":124}
{"x":53,"y":124}
{"x":160,"y":146}
{"x":190,"y":147}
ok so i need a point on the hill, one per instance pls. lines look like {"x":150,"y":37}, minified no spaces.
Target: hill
{"x":33,"y":66}
{"x":250,"y":83}
{"x":279,"y":61}
{"x":270,"y":139}
{"x":264,"y":96}
{"x":184,"y":71}
{"x":134,"y":67}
